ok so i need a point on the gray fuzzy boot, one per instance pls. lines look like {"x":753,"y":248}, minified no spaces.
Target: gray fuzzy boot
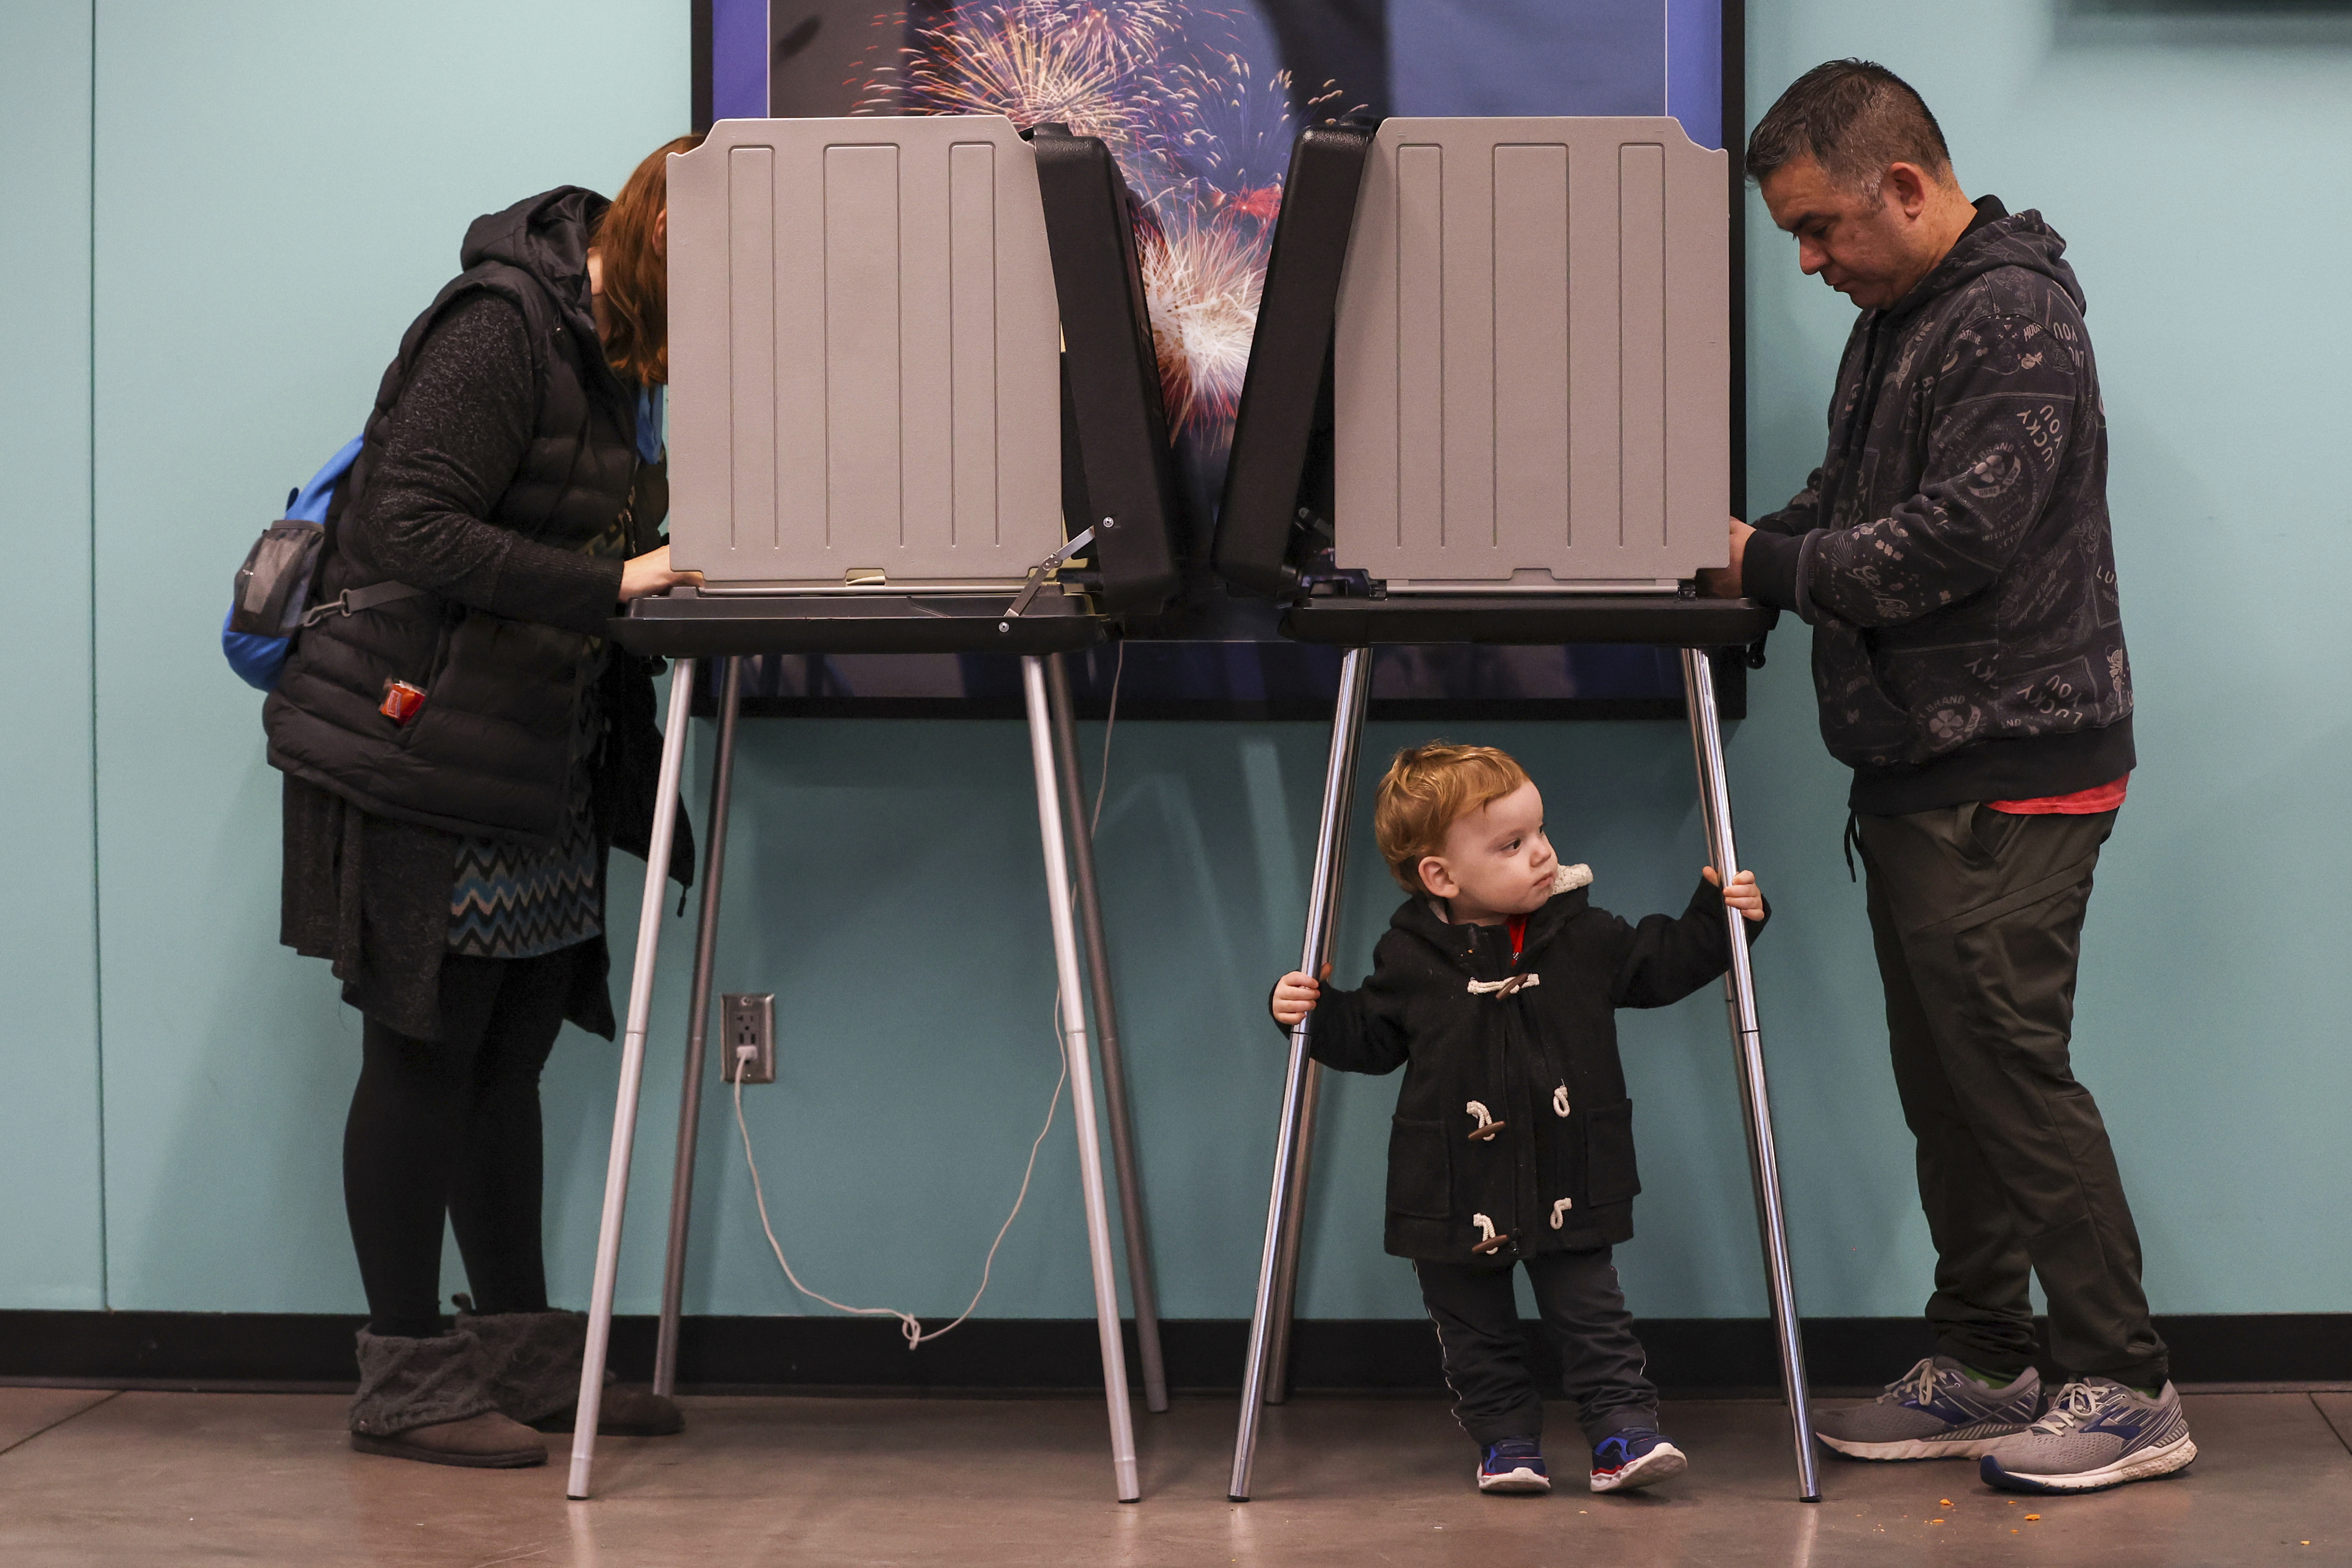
{"x":534,"y":1376}
{"x":430,"y":1400}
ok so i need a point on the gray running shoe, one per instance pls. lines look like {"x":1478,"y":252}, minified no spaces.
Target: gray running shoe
{"x":2098,"y":1433}
{"x":1935,"y":1410}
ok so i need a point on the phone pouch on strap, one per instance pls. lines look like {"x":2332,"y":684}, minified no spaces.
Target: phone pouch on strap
{"x":273,"y":586}
{"x":270,"y":600}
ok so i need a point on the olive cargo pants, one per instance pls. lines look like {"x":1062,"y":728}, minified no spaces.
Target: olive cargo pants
{"x":1977,"y":916}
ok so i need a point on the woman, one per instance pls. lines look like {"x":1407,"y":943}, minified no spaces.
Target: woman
{"x":458,"y":760}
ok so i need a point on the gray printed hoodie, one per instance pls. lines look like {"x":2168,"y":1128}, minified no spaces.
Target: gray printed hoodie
{"x":1952,"y":552}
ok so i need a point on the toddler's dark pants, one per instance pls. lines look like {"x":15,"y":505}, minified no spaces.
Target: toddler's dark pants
{"x":1583,"y":1312}
{"x":1978,"y":918}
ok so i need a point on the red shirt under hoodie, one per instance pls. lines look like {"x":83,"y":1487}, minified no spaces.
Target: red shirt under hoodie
{"x":2089,"y":801}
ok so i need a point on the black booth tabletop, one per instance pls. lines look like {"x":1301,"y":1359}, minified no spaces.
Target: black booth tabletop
{"x":1539,"y":620}
{"x":694,"y":625}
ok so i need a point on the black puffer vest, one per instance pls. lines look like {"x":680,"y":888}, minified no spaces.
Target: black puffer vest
{"x":490,"y":751}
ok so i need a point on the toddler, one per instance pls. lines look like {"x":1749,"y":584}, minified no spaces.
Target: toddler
{"x":1496,"y":989}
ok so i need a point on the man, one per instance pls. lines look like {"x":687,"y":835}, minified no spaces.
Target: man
{"x":1953,"y":558}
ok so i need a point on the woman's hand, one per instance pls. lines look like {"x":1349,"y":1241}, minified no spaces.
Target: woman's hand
{"x":1294,"y":997}
{"x":1743,"y":894}
{"x":650,"y":573}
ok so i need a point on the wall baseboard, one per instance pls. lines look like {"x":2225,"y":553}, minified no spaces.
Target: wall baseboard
{"x":1687,"y":1355}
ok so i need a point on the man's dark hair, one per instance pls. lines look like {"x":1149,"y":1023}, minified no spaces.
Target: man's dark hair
{"x":1855,"y":119}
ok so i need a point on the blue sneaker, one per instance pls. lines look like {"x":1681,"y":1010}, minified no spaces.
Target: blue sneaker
{"x":1635,"y":1456}
{"x":1514,"y":1465}
{"x":2098,"y":1433}
{"x":1935,"y":1410}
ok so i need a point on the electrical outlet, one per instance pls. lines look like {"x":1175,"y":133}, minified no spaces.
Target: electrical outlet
{"x":751,"y":1020}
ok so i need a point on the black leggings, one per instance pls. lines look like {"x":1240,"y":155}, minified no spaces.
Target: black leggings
{"x":451,"y":1127}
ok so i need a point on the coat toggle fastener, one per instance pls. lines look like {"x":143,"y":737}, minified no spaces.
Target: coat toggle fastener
{"x":1490,"y":1239}
{"x":1499,"y":989}
{"x":1488,"y":1126}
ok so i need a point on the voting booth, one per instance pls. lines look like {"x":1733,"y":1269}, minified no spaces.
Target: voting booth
{"x":914,"y":408}
{"x":1488,"y":401}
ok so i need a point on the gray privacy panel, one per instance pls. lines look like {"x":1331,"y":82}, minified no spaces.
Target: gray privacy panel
{"x":1532,"y":357}
{"x":864,"y":355}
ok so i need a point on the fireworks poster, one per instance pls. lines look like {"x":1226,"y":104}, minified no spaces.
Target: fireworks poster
{"x":1200,"y":101}
{"x":1199,"y":116}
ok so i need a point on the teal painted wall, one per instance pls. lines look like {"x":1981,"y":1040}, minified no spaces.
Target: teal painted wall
{"x":52,"y":1251}
{"x":279,"y":187}
{"x":2197,"y":158}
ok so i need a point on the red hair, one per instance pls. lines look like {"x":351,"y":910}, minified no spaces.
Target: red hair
{"x":636,"y":271}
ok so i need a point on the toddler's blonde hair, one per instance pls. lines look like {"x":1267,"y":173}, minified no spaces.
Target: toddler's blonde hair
{"x":1428,"y":789}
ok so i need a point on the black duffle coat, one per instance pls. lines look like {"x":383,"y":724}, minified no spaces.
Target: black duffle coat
{"x":1513,"y":1134}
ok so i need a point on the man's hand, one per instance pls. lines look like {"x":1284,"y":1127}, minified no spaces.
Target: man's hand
{"x":1743,"y":894}
{"x":650,"y":573}
{"x":1294,"y":997}
{"x":1723,"y":583}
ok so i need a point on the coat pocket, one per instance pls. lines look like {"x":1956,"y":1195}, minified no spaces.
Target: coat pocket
{"x":1611,"y":1176}
{"x":1420,"y":1177}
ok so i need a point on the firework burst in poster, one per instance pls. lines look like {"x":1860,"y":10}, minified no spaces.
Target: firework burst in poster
{"x":1200,"y":132}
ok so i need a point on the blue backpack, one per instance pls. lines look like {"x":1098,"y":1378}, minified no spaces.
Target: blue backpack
{"x":271,"y":599}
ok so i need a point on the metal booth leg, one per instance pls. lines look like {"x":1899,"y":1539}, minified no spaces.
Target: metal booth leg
{"x":633,"y":1072}
{"x":1294,"y":1229}
{"x":1140,"y":1288}
{"x":1282,"y":1226}
{"x":698,"y":1023}
{"x":1739,"y":998}
{"x":1082,"y":1078}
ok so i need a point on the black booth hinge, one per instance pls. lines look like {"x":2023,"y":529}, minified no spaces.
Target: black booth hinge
{"x":1322,"y":578}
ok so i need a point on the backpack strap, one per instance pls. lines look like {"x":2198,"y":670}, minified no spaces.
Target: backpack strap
{"x":351,"y":600}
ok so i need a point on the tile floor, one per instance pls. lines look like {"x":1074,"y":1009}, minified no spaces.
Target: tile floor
{"x":260,"y":1479}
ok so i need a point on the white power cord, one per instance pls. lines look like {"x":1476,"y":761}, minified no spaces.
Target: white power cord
{"x":909,"y":1324}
